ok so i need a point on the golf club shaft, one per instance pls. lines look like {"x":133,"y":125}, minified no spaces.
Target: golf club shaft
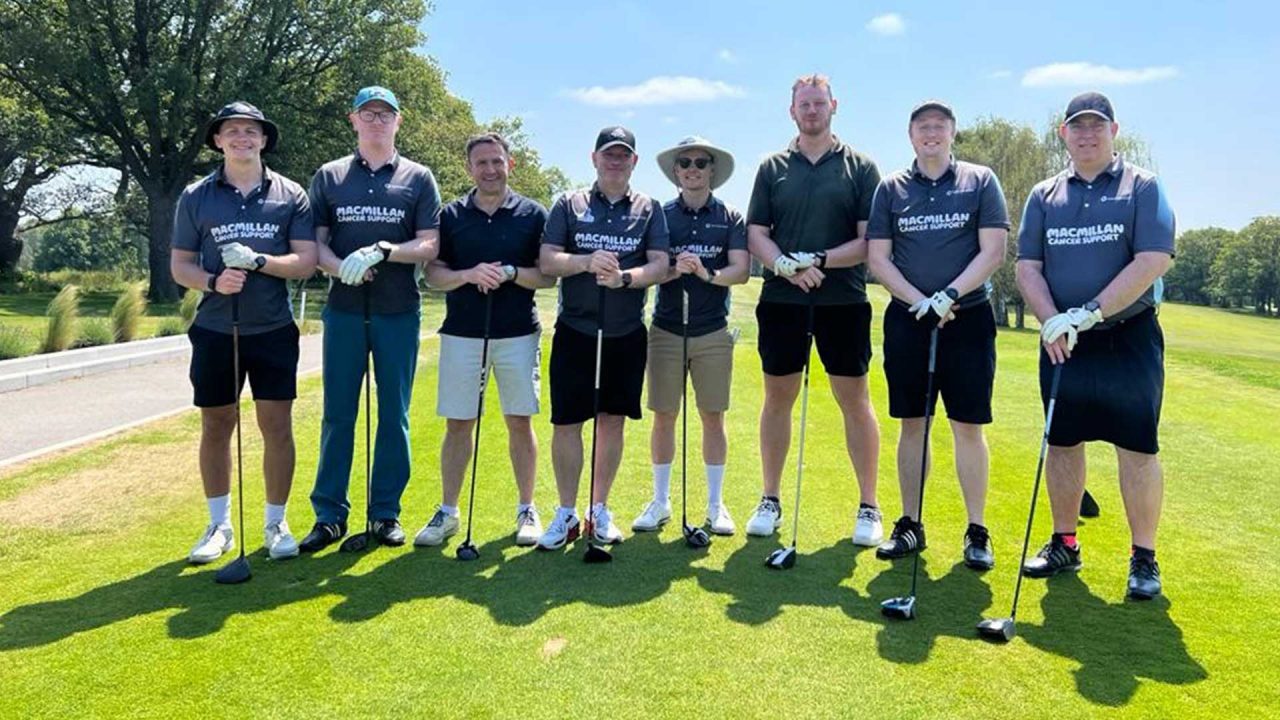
{"x":684,"y":405}
{"x":235,"y":365}
{"x":1035,"y":488}
{"x":924,"y":451}
{"x":484,"y":378}
{"x":595,"y":412}
{"x":804,"y":415}
{"x":368,"y":421}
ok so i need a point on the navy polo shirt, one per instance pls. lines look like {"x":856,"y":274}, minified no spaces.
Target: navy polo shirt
{"x":709,"y":232}
{"x":934,"y":223}
{"x":814,"y":207}
{"x":362,"y":206}
{"x":212,"y":212}
{"x":511,"y":236}
{"x":583,"y":221}
{"x":1086,"y":232}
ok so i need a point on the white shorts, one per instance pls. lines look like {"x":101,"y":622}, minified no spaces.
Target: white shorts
{"x":517,"y":363}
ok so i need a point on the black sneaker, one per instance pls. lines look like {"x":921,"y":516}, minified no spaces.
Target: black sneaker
{"x":389,"y":532}
{"x":322,"y":535}
{"x":1088,"y":506}
{"x":1055,"y":557}
{"x":977,"y":548}
{"x":1144,"y":578}
{"x":907,"y":538}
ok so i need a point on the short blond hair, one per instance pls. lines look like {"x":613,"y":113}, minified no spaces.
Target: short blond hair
{"x":822,"y":82}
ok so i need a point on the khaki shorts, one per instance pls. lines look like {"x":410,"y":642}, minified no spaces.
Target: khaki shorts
{"x":517,"y":363}
{"x":710,"y":367}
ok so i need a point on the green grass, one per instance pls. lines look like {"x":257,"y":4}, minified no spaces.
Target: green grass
{"x":100,"y":616}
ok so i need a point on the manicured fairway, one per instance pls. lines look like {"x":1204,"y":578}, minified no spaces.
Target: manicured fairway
{"x":101,"y":617}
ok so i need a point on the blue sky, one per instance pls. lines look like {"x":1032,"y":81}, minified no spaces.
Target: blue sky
{"x":1195,"y":80}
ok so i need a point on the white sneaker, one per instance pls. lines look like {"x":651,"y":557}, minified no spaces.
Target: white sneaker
{"x":216,"y":540}
{"x":655,"y":515}
{"x":719,"y":521}
{"x":528,"y":527}
{"x":602,"y":526}
{"x":867,"y":531}
{"x":564,"y":528}
{"x":767,"y":518}
{"x":279,"y":541}
{"x":441,"y":526}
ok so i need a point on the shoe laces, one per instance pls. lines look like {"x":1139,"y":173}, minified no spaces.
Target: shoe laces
{"x":278,"y":527}
{"x":902,"y":526}
{"x":1145,"y":568}
{"x":438,"y":519}
{"x":768,"y":505}
{"x":869,"y":514}
{"x":1055,"y":552}
{"x":561,"y":523}
{"x":525,"y":517}
{"x":977,"y":536}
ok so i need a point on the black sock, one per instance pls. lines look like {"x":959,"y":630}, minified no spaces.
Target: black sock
{"x":1145,"y":553}
{"x":774,"y":498}
{"x":863,"y":505}
{"x":974,"y":527}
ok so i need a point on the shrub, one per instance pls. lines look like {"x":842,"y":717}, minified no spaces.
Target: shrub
{"x":64,"y":314}
{"x":127,"y":313}
{"x":171,"y":326}
{"x":187,"y":309}
{"x":94,"y":332}
{"x":14,"y":342}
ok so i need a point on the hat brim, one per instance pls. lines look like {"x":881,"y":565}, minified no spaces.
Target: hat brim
{"x":723,"y":162}
{"x":1090,"y":111}
{"x":933,"y":106}
{"x":268,"y":128}
{"x":616,"y":143}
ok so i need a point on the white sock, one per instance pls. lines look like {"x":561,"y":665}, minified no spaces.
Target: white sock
{"x":220,"y":510}
{"x":450,"y":510}
{"x":567,"y":512}
{"x":274,"y":513}
{"x":662,"y":483}
{"x":521,"y":507}
{"x":715,"y":482}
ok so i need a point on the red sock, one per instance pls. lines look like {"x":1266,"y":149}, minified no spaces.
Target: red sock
{"x":1068,"y":539}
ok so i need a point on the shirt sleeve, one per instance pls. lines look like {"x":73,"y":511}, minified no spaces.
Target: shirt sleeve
{"x":320,"y":208}
{"x":301,"y":224}
{"x":556,"y":231}
{"x":760,"y":209}
{"x":1154,"y":225}
{"x":427,"y":216}
{"x":656,"y":235}
{"x":1031,"y":229}
{"x":737,"y":230}
{"x":880,"y":221}
{"x":992,"y":211}
{"x":186,"y":231}
{"x":447,"y":221}
{"x":867,"y":184}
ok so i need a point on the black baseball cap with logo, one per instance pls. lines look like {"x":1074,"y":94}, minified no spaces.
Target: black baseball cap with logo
{"x":1090,"y":103}
{"x":615,"y":135}
{"x":244,"y":111}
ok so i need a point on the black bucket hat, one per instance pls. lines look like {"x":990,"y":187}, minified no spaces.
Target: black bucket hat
{"x":243,"y":110}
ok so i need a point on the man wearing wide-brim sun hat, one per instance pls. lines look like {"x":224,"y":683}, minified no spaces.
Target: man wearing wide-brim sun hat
{"x":709,"y":253}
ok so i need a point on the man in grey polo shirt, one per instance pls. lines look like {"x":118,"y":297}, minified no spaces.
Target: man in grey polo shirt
{"x":376,"y":216}
{"x":1093,"y":240}
{"x":807,"y":223}
{"x":607,"y":242}
{"x":937,"y":233}
{"x":238,"y":235}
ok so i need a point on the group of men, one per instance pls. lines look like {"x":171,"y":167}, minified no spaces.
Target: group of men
{"x":1092,"y":241}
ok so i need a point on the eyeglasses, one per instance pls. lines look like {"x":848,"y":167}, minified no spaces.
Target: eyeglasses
{"x":700,"y":163}
{"x":382,"y":116}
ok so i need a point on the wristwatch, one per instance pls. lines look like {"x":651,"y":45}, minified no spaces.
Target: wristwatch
{"x":711,"y":274}
{"x":952,"y":293}
{"x":259,"y":262}
{"x":626,"y":279}
{"x":820,"y":260}
{"x":1093,"y":306}
{"x":212,"y":285}
{"x":386,"y":248}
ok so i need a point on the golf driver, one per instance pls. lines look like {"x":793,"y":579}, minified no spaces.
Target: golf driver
{"x":1003,"y":629}
{"x":1088,"y":506}
{"x":594,"y":552}
{"x":785,"y":558}
{"x":361,"y":541}
{"x":238,"y":570}
{"x":904,"y":608}
{"x":694,"y":537}
{"x":467,"y":550}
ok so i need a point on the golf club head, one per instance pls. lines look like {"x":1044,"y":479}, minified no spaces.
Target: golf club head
{"x":899,"y":608}
{"x":696,"y":537}
{"x":467,"y":551}
{"x":234,"y":572}
{"x":596,"y":554}
{"x":782,"y":558}
{"x":997,"y":629}
{"x":356,"y":543}
{"x":1088,"y":506}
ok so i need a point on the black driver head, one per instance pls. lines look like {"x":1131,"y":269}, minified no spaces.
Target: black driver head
{"x":1088,"y":506}
{"x":696,"y":537}
{"x":234,"y":572}
{"x":782,"y":558}
{"x":357,"y":543}
{"x":999,"y":630}
{"x":596,"y":554}
{"x":899,"y":608}
{"x":467,"y":552}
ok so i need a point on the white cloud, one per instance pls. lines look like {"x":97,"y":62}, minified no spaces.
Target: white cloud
{"x":727,"y":56}
{"x":1088,"y":74}
{"x":887,"y":24}
{"x":661,"y":90}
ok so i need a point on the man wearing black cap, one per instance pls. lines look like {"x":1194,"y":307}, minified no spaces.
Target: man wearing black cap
{"x":612,"y":237}
{"x":241,"y":232}
{"x":376,"y":216}
{"x":936,"y":234}
{"x":1093,"y":240}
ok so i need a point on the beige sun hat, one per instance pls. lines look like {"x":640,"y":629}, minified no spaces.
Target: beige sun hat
{"x":723,"y":160}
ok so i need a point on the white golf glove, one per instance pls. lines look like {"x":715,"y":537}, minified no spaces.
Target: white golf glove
{"x":785,"y":266}
{"x":920,"y":308}
{"x":941,"y":304}
{"x":508,"y":273}
{"x":355,"y":265}
{"x":240,"y":257}
{"x":1084,"y":319}
{"x":1057,"y":326}
{"x":805,"y":260}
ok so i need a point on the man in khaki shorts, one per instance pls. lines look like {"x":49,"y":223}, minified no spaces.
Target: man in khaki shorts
{"x":709,"y":253}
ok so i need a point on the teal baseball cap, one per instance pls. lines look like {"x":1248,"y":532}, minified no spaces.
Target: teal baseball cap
{"x":375,"y":92}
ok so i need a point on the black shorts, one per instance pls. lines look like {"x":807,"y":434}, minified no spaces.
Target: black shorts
{"x":573,"y":374}
{"x":269,"y":359}
{"x":842,"y":332}
{"x":1111,"y":388}
{"x":965,"y":368}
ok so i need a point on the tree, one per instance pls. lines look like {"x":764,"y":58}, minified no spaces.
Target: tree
{"x":1190,"y":277}
{"x":1262,"y":238}
{"x":1233,"y":273}
{"x":81,"y":244}
{"x":146,"y":76}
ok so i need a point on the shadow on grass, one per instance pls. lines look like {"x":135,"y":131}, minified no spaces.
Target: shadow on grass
{"x":1115,"y":644}
{"x":949,"y":606}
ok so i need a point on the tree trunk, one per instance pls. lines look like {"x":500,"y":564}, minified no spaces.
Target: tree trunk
{"x":1021,"y":313}
{"x":1001,"y":311}
{"x":160,"y":208}
{"x":10,"y":245}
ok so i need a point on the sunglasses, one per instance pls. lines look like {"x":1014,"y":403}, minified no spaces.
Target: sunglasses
{"x":700,"y":163}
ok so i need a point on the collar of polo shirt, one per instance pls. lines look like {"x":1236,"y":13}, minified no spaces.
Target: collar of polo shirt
{"x":712,"y":201}
{"x":1113,"y":168}
{"x":221,"y":175}
{"x":509,"y":201}
{"x":794,"y":145}
{"x":629,"y":196}
{"x":915,"y":170}
{"x":392,"y":163}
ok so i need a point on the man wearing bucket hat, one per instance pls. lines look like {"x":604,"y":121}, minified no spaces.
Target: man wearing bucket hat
{"x":376,"y":216}
{"x":238,"y":235}
{"x":709,"y":254}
